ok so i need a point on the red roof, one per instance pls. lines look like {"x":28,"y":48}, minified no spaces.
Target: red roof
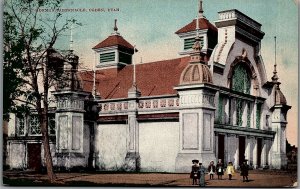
{"x":155,"y":78}
{"x":113,"y":40}
{"x":203,"y":24}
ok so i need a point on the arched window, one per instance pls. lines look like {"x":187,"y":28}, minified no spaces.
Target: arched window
{"x":241,"y":81}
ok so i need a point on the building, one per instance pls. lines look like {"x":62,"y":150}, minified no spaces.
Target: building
{"x":215,"y":102}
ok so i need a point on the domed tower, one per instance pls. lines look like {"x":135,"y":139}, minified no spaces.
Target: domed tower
{"x":279,"y":122}
{"x":72,"y":133}
{"x":196,"y":92}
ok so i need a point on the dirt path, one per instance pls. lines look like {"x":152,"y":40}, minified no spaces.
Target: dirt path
{"x":256,"y":179}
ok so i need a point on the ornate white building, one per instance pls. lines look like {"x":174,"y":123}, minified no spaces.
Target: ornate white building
{"x":215,"y":102}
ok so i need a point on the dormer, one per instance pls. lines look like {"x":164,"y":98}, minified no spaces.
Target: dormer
{"x":114,"y":51}
{"x":208,"y":34}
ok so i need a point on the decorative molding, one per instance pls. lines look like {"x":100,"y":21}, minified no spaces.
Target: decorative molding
{"x":207,"y":132}
{"x":234,"y":14}
{"x":70,"y":103}
{"x":190,"y":140}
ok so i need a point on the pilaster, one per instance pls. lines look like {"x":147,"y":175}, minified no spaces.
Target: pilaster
{"x":72,"y":134}
{"x":279,"y":159}
{"x":196,"y":119}
{"x":132,"y":159}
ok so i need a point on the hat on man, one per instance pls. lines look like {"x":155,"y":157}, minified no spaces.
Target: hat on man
{"x":195,"y":161}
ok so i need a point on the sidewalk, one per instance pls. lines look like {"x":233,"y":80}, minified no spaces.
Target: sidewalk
{"x":265,"y":178}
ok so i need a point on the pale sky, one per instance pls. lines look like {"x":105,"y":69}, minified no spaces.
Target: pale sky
{"x":150,"y":25}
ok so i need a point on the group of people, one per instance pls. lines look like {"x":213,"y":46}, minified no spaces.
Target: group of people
{"x":198,"y":171}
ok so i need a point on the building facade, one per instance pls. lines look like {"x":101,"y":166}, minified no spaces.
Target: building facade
{"x":214,"y":102}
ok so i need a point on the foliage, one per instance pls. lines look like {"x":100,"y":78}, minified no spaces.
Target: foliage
{"x":32,"y":65}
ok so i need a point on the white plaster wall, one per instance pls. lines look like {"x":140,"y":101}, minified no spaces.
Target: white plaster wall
{"x":17,"y":155}
{"x":86,"y":138}
{"x":159,"y":144}
{"x":11,"y":125}
{"x":111,"y":146}
{"x":52,"y":151}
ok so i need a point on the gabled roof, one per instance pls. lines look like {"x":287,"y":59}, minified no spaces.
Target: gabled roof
{"x":114,"y":40}
{"x":203,"y":24}
{"x":155,"y":78}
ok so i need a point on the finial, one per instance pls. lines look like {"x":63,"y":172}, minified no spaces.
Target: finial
{"x":200,"y":13}
{"x":275,"y":77}
{"x":134,"y":71}
{"x":115,"y":29}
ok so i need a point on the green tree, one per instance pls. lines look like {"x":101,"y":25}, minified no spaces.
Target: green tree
{"x":12,"y":66}
{"x":32,"y":66}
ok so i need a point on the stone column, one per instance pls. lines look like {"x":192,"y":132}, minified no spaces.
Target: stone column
{"x":237,"y":152}
{"x":254,"y":115}
{"x":251,"y":150}
{"x":233,"y":111}
{"x":226,"y":151}
{"x":244,"y":113}
{"x":216,"y":144}
{"x":255,"y":153}
{"x":196,"y":126}
{"x":279,"y":159}
{"x":72,"y":134}
{"x":227,"y":110}
{"x":232,"y":146}
{"x":248,"y":149}
{"x":132,"y":159}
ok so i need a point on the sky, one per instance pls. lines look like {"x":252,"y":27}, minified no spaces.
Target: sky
{"x":150,"y":25}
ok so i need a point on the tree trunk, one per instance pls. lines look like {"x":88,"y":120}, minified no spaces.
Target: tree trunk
{"x":47,"y":152}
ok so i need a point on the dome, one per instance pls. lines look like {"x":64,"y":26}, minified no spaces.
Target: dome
{"x":196,"y":74}
{"x":279,"y":97}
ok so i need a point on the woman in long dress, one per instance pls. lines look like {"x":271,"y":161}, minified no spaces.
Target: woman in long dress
{"x":201,"y":175}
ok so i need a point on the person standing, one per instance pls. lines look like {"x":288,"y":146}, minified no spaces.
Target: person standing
{"x":220,"y":169}
{"x":211,"y":170}
{"x":201,"y":175}
{"x":194,"y":172}
{"x":230,"y":170}
{"x":244,"y":171}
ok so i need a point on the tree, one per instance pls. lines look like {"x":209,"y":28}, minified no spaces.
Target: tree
{"x":32,"y":62}
{"x":12,"y":75}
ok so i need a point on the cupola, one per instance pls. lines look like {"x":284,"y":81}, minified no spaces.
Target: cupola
{"x":197,"y":71}
{"x":114,"y":51}
{"x":208,"y":34}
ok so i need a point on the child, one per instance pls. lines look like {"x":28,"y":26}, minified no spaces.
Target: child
{"x":244,"y":171}
{"x":211,"y":170}
{"x":194,"y":172}
{"x":230,"y":170}
{"x":220,"y":168}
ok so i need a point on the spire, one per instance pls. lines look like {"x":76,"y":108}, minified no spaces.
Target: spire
{"x":196,"y":53}
{"x":200,"y":12}
{"x":275,"y":76}
{"x":71,"y":38}
{"x":115,"y":29}
{"x":197,"y":45}
{"x":134,"y":91}
{"x":94,"y":92}
{"x":134,"y":69}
